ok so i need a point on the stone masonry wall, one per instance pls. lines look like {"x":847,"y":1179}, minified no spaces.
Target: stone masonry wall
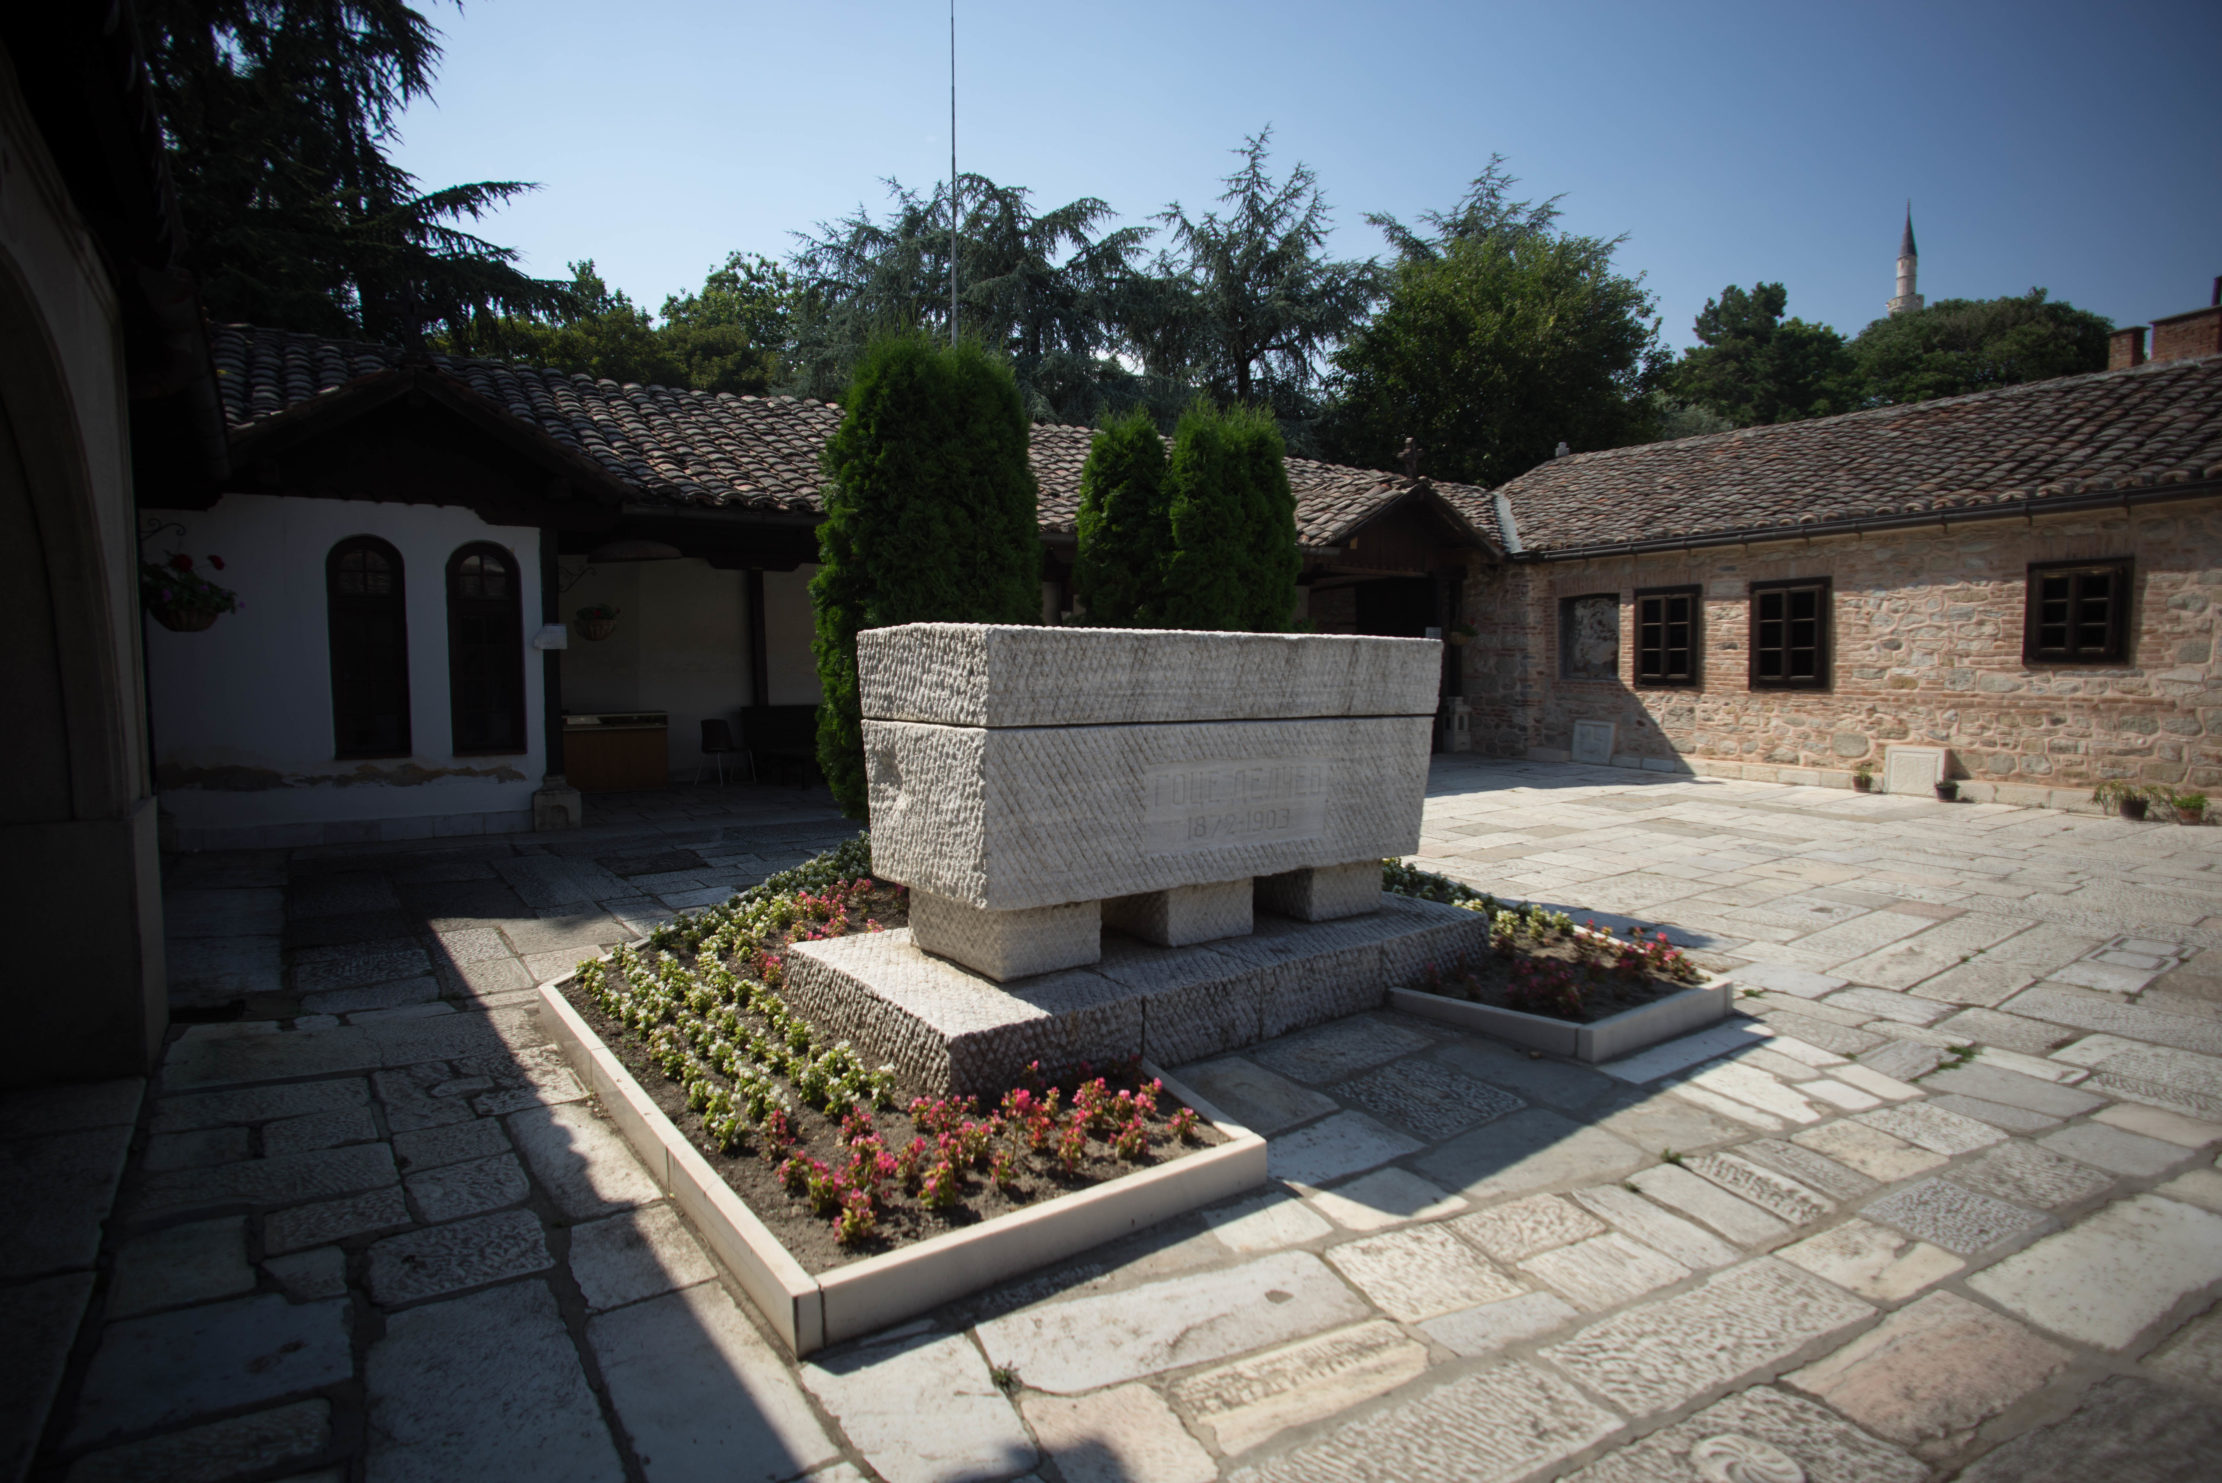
{"x":1927,"y":649}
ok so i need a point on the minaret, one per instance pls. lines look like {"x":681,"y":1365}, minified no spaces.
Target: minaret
{"x":1907,"y":301}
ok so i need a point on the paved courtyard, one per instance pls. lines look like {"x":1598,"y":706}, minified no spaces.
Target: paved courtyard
{"x":1942,"y":1202}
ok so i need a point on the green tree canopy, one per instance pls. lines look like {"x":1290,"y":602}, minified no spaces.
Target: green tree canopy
{"x":1125,"y":522}
{"x":1752,"y":366}
{"x":1500,"y":336}
{"x":930,"y":518}
{"x":277,"y":114}
{"x":733,"y":335}
{"x":1957,"y":346}
{"x":597,"y":332}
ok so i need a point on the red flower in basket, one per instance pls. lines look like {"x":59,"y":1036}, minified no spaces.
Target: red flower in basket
{"x":181,"y":562}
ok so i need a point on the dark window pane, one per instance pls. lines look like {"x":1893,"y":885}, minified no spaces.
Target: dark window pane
{"x":369,"y":640}
{"x":485,"y":653}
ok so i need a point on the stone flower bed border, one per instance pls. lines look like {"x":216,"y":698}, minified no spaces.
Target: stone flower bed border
{"x":809,"y":1312}
{"x":1608,"y":1039}
{"x":1706,"y":1003}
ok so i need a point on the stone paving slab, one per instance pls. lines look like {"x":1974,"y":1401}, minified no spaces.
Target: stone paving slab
{"x":2106,"y":1280}
{"x":1246,"y":1402}
{"x":1500,"y":1424}
{"x":1666,"y":1351}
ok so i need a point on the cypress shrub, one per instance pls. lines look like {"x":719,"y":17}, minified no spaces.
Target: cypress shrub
{"x":1203,"y":579}
{"x":930,"y":518}
{"x":1125,"y":523}
{"x":1270,"y":559}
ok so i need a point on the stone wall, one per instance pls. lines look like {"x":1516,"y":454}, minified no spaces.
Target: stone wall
{"x":1927,"y":650}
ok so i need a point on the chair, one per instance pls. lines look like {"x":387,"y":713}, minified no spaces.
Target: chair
{"x":717,"y":741}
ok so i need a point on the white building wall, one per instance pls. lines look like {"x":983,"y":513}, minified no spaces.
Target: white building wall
{"x":242,"y":712}
{"x":789,"y":626}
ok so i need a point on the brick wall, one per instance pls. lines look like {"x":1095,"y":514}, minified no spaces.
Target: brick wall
{"x":2182,"y":336}
{"x":1927,"y":649}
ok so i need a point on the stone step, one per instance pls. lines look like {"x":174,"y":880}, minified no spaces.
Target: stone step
{"x":945,"y":1028}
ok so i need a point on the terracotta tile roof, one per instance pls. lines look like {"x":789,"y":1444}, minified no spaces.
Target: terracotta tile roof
{"x":719,"y":449}
{"x":693,"y":447}
{"x":2153,"y":425}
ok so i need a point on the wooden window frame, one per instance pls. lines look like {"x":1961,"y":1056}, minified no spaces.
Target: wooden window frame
{"x":1566,"y":634}
{"x":513,"y":672}
{"x":2116,"y":651}
{"x":1695,"y":645}
{"x":1824,"y":649}
{"x":336,"y":602}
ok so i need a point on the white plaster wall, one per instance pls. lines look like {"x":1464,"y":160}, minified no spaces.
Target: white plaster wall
{"x":788,"y":629}
{"x":253,"y":693}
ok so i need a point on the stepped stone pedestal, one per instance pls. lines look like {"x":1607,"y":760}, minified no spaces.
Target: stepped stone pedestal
{"x":1222,"y":801}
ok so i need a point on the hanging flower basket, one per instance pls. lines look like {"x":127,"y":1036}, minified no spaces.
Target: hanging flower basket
{"x":184,"y":620}
{"x":597,"y":621}
{"x":180,"y":598}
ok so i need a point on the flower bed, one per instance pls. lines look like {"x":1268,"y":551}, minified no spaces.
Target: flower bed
{"x":1543,"y":963}
{"x":823,"y":1148}
{"x":1549,"y":984}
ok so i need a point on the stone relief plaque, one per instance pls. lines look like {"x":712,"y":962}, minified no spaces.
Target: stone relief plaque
{"x":1593,"y":742}
{"x":1912,"y":769}
{"x":1592,"y":638}
{"x":1196,"y":806}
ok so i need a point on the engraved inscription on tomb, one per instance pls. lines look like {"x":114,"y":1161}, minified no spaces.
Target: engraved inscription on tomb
{"x":1193,"y":807}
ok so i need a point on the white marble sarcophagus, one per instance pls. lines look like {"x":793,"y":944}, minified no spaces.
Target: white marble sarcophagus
{"x":1224,"y":801}
{"x":1032,"y":784}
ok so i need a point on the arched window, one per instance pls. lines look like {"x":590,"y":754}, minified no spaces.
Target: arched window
{"x":370,"y":649}
{"x":485,"y":651}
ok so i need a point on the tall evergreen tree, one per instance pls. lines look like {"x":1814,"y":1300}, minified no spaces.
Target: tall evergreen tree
{"x":277,"y":115}
{"x":1247,"y":305}
{"x":930,"y":518}
{"x":1256,"y":462}
{"x":1043,"y":288}
{"x":1204,"y":585}
{"x":1125,"y":522}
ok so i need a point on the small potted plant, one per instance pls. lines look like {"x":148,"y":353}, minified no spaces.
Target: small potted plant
{"x":180,"y":598}
{"x":2127,"y":798}
{"x":2191,"y":808}
{"x":1948,"y":790}
{"x":1863,"y":777}
{"x":1459,"y":635}
{"x":597,"y":621}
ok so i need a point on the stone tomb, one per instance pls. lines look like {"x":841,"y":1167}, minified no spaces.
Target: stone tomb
{"x":1222,"y":802}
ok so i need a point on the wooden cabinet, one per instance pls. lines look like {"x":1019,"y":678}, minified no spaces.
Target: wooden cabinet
{"x":604,"y":754}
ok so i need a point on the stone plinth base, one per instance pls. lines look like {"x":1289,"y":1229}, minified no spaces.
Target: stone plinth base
{"x":1185,"y":914}
{"x":1322,"y":893}
{"x":557,"y":806}
{"x":1007,"y":944}
{"x":945,"y":1028}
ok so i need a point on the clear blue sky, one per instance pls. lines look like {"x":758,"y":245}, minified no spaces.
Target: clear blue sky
{"x":2073,"y":146}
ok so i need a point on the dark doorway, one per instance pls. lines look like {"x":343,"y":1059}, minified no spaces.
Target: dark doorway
{"x":1397,"y":607}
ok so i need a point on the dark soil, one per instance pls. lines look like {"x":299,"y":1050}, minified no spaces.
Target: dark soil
{"x":1580,"y":979}
{"x":902,"y":1221}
